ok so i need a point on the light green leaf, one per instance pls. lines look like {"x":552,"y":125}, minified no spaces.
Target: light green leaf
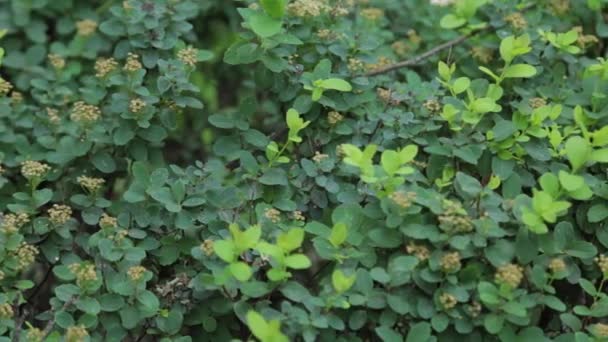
{"x":338,"y":235}
{"x":335,"y":84}
{"x":461,"y":84}
{"x":224,"y":249}
{"x":264,"y":25}
{"x":519,"y":71}
{"x":450,"y":21}
{"x":341,"y":282}
{"x":274,"y":8}
{"x":240,"y":270}
{"x":290,"y":240}
{"x":578,"y":152}
{"x":297,"y":261}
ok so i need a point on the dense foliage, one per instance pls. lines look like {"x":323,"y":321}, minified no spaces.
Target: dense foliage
{"x":181,"y":170}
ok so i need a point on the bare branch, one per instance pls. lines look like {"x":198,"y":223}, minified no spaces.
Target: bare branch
{"x":416,"y":60}
{"x":51,"y":322}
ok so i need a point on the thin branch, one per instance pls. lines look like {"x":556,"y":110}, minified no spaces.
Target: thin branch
{"x":51,"y":323}
{"x":20,"y":318}
{"x":427,"y":54}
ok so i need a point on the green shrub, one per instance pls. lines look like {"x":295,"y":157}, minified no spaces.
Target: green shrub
{"x":361,"y":170}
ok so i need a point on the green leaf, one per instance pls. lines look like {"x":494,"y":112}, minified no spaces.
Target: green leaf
{"x":468,"y":184}
{"x":295,"y":124}
{"x":335,"y":84}
{"x":597,"y":213}
{"x":240,"y":270}
{"x":387,"y":334}
{"x":291,"y":240}
{"x":390,"y":162}
{"x":339,"y":233}
{"x":89,"y":305}
{"x":104,"y":162}
{"x":571,"y":182}
{"x":600,"y":155}
{"x":461,"y":84}
{"x":408,"y":153}
{"x":419,"y":332}
{"x":519,"y":71}
{"x":148,"y":300}
{"x":341,"y":282}
{"x":493,"y":323}
{"x":450,"y":21}
{"x":224,"y":249}
{"x":264,"y":25}
{"x":578,"y":152}
{"x":274,"y":8}
{"x":265,"y":331}
{"x":297,"y":261}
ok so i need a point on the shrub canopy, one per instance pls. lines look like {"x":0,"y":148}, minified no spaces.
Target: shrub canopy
{"x":304,"y":170}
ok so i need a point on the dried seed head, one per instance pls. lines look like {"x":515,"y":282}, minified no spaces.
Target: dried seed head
{"x":5,"y":87}
{"x":273,"y":215}
{"x":319,"y":157}
{"x":482,"y":54}
{"x":32,"y":169}
{"x":381,"y":62}
{"x":132,"y":64}
{"x":90,"y":184}
{"x":454,"y":218}
{"x":400,"y":48}
{"x":537,"y":102}
{"x":16,"y":97}
{"x":474,"y":309}
{"x":447,"y":300}
{"x":6,"y":311}
{"x":11,"y":223}
{"x":602,"y":263}
{"x":106,"y":221}
{"x":135,"y":273}
{"x":516,"y":20}
{"x":307,"y":8}
{"x":207,"y":247}
{"x":76,"y":333}
{"x":104,"y":66}
{"x":600,"y":330}
{"x":450,"y":262}
{"x":52,"y":115}
{"x":355,"y":65}
{"x":137,"y":105}
{"x":59,"y":214}
{"x":557,"y":265}
{"x":403,"y":199}
{"x":298,"y":216}
{"x":372,"y":13}
{"x":419,"y":251}
{"x":35,"y":335}
{"x":86,"y":27}
{"x":510,"y":274}
{"x":84,"y":272}
{"x":85,"y":113}
{"x":432,"y":105}
{"x":334,"y":117}
{"x":560,"y":7}
{"x":26,"y":254}
{"x":56,"y":61}
{"x":188,"y":56}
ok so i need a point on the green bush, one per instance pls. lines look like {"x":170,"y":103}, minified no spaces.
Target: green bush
{"x":304,"y":170}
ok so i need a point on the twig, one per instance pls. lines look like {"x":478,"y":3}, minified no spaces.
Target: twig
{"x":18,"y":322}
{"x":51,"y":322}
{"x":427,"y":54}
